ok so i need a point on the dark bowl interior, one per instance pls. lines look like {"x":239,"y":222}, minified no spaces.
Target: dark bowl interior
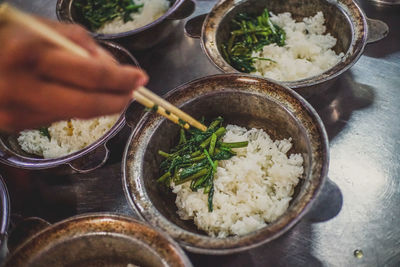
{"x":98,"y":240}
{"x":122,"y":55}
{"x":337,"y":24}
{"x":99,"y":250}
{"x":244,"y":109}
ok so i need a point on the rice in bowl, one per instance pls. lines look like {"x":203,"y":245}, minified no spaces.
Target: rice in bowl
{"x":307,"y":52}
{"x":252,"y":189}
{"x":65,"y":137}
{"x":151,"y":10}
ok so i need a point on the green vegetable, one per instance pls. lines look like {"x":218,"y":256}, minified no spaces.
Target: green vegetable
{"x":45,"y":132}
{"x":181,"y":122}
{"x":154,"y":108}
{"x":195,"y":158}
{"x":198,"y":174}
{"x":182,"y":137}
{"x":248,"y":35}
{"x":97,"y":12}
{"x":234,"y":145}
{"x":212,"y":144}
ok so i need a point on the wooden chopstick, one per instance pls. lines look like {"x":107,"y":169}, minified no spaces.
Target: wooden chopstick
{"x":171,"y":108}
{"x":160,"y":110}
{"x":142,"y":95}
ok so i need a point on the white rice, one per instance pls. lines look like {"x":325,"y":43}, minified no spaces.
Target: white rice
{"x":152,"y":10}
{"x":66,"y":136}
{"x":250,"y":190}
{"x":307,"y":51}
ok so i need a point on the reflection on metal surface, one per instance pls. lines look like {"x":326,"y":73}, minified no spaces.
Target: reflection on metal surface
{"x":358,"y":253}
{"x":359,"y":206}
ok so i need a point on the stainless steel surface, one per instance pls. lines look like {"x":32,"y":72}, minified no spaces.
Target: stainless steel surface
{"x":385,"y":2}
{"x":359,"y":208}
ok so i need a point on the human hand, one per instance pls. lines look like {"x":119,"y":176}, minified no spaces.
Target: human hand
{"x":41,"y":83}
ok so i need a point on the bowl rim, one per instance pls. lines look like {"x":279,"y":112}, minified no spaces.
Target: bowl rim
{"x":5,"y":209}
{"x":9,"y":157}
{"x":107,"y":36}
{"x":99,"y":217}
{"x":208,"y":41}
{"x":162,"y":222}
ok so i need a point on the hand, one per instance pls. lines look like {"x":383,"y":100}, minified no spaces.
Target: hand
{"x":41,"y":83}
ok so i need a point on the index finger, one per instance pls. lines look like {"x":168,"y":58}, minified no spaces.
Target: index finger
{"x":90,"y":74}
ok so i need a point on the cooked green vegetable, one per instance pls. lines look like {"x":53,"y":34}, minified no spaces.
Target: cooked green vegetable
{"x":195,"y":158}
{"x":97,"y":12}
{"x":45,"y":132}
{"x":249,"y":34}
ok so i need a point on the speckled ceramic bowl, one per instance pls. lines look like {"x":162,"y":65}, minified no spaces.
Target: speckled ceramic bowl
{"x":344,"y":20}
{"x":140,"y":38}
{"x":85,"y":160}
{"x":243,"y":100}
{"x":99,"y":240}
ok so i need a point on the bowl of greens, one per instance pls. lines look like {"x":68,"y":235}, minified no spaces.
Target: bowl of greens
{"x":304,"y":45}
{"x":136,"y":24}
{"x":245,"y":181}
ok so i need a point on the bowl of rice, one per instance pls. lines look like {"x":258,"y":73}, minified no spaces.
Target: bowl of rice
{"x":304,"y":45}
{"x":136,"y":24}
{"x":80,"y":144}
{"x":259,"y":193}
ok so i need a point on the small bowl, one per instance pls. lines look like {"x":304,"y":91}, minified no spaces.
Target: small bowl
{"x":243,"y":100}
{"x":98,"y":240}
{"x":85,"y":160}
{"x":344,"y":20}
{"x":137,"y":39}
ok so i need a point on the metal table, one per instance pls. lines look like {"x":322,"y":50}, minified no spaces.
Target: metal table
{"x":356,"y":221}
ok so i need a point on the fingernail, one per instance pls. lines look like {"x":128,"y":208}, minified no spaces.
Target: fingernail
{"x":142,"y":80}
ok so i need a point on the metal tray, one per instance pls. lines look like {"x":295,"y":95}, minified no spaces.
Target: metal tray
{"x":355,"y":223}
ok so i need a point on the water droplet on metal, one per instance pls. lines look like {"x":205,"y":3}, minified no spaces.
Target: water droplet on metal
{"x":358,"y":253}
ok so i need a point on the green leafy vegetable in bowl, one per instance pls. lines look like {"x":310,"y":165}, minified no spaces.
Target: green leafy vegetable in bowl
{"x":45,"y":132}
{"x":249,"y":34}
{"x":195,"y":158}
{"x":97,"y":12}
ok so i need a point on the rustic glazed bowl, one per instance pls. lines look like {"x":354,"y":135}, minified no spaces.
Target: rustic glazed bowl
{"x":98,"y":240}
{"x":344,"y":20}
{"x":85,"y":160}
{"x":4,"y":218}
{"x":140,"y":38}
{"x":244,"y":100}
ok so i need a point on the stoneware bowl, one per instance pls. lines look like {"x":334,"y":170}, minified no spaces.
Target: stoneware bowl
{"x":140,"y":38}
{"x":98,"y":240}
{"x":344,"y":20}
{"x":243,"y":100}
{"x":85,"y":160}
